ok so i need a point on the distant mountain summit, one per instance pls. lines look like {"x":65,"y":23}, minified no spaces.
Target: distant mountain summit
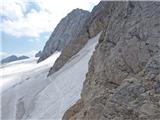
{"x":67,"y":30}
{"x":13,"y":58}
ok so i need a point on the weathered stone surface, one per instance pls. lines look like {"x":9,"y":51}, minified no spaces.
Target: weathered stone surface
{"x":73,"y":110}
{"x":67,"y":30}
{"x":123,"y":79}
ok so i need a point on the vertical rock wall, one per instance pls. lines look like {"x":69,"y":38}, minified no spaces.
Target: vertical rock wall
{"x":123,"y":82}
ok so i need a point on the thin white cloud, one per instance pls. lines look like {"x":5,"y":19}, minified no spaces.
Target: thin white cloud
{"x":36,"y":22}
{"x":31,"y":25}
{"x":12,"y":9}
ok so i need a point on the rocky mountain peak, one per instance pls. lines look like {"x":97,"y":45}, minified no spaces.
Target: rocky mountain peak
{"x":77,"y":11}
{"x":67,"y":30}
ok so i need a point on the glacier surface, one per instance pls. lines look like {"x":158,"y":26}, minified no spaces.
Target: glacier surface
{"x":27,"y":92}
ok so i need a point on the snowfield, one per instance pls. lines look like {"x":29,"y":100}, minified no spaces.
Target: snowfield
{"x":11,"y":72}
{"x":27,"y":92}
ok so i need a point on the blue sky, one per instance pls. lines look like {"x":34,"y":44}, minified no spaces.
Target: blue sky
{"x":26,"y":25}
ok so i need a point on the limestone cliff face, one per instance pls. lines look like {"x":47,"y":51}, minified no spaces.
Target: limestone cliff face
{"x":123,"y":82}
{"x":67,"y":30}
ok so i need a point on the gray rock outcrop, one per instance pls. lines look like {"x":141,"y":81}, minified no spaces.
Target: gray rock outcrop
{"x":38,"y":54}
{"x":67,"y":30}
{"x":123,"y":82}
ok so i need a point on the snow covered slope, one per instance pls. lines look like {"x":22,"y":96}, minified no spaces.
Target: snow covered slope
{"x":35,"y":96}
{"x":22,"y":79}
{"x":11,"y":71}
